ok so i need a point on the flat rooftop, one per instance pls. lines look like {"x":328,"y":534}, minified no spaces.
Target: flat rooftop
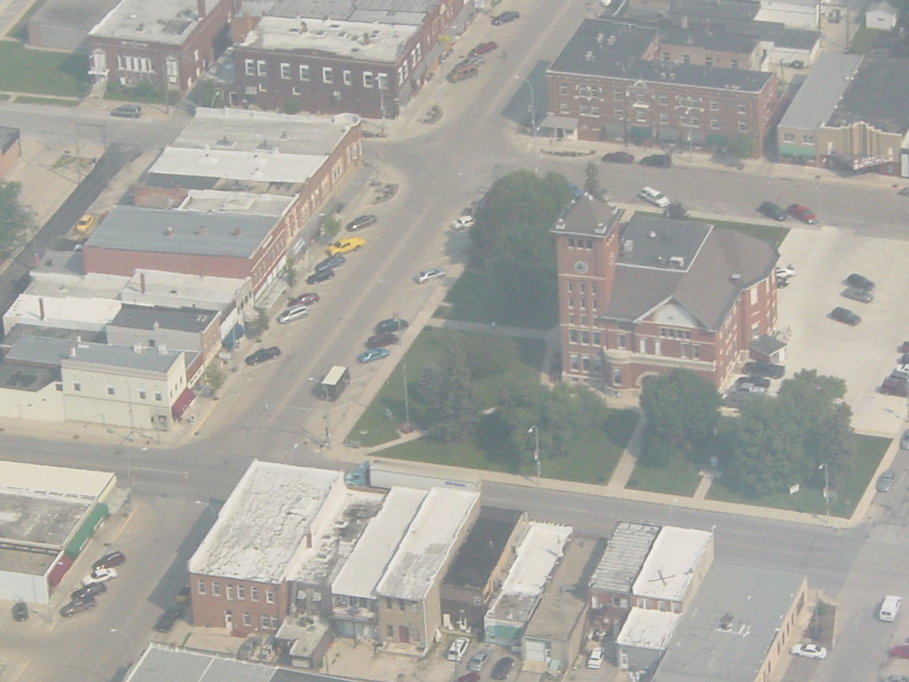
{"x":821,"y":90}
{"x":366,"y":565}
{"x":131,"y":228}
{"x":68,"y":312}
{"x":625,"y":553}
{"x":264,"y":522}
{"x":262,"y":167}
{"x":648,"y":629}
{"x":160,"y":317}
{"x":27,"y":377}
{"x":731,"y":625}
{"x":352,"y":40}
{"x":482,"y":548}
{"x":371,"y":11}
{"x":50,"y":352}
{"x":563,"y":602}
{"x":878,"y":95}
{"x":156,"y":287}
{"x":673,"y":558}
{"x":164,"y":21}
{"x":220,"y":201}
{"x":426,"y":546}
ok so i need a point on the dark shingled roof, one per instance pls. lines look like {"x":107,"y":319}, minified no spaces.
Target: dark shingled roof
{"x":878,"y":95}
{"x":698,"y":267}
{"x":482,"y":547}
{"x":153,"y":317}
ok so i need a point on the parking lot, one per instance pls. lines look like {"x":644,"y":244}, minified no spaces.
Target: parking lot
{"x":865,"y":354}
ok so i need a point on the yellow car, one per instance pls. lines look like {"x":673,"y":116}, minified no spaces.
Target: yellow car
{"x":346,"y":245}
{"x":86,"y":223}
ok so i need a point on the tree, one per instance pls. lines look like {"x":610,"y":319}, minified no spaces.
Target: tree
{"x":15,"y":219}
{"x":255,"y":328}
{"x":455,"y":411}
{"x":214,"y":377}
{"x":290,"y":272}
{"x":741,"y":146}
{"x":329,"y":226}
{"x":679,"y":408}
{"x":592,"y":180}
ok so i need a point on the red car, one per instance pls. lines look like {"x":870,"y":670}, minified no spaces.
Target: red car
{"x":483,"y":48}
{"x":900,"y":651}
{"x":802,"y":213}
{"x":303,"y":299}
{"x":618,"y":157}
{"x":382,"y":339}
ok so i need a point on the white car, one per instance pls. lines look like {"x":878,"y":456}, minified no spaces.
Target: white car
{"x":463,"y":222}
{"x":291,"y":314}
{"x":655,"y":197}
{"x":785,"y":271}
{"x":457,"y":649}
{"x":428,"y":275}
{"x":809,"y":651}
{"x":99,"y":575}
{"x":595,"y":660}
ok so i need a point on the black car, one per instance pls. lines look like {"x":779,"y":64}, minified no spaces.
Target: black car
{"x":392,"y":324}
{"x":77,"y":606}
{"x":675,"y":211}
{"x":166,"y":620}
{"x":382,"y":339}
{"x":505,"y":17}
{"x":89,"y":591}
{"x":320,"y":276}
{"x":360,"y":222}
{"x":859,"y":282}
{"x":262,"y":355}
{"x":760,"y":382}
{"x":330,"y":263}
{"x":657,"y":160}
{"x":618,"y":157}
{"x":127,"y":111}
{"x":860,"y":295}
{"x":845,"y":316}
{"x":502,"y":667}
{"x":771,"y":210}
{"x":110,"y":560}
{"x":765,"y":369}
{"x":20,"y":611}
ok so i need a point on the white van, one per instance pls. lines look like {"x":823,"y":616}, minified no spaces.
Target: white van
{"x":654,"y":196}
{"x":457,"y":649}
{"x":890,"y":607}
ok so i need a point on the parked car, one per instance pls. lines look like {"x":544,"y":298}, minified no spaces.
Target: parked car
{"x":20,"y":611}
{"x":360,"y":222}
{"x":885,"y":481}
{"x":392,"y":324}
{"x":457,"y":649}
{"x":760,"y":382}
{"x":127,"y":111}
{"x":859,"y":282}
{"x":462,"y":223}
{"x":802,"y":213}
{"x":657,"y":161}
{"x":291,"y":314}
{"x":654,"y":196}
{"x":856,"y":294}
{"x":345,"y":245}
{"x":469,"y":677}
{"x":77,"y":606}
{"x":771,"y":210}
{"x":897,"y":386}
{"x":900,"y":651}
{"x":248,"y":648}
{"x":618,"y":157}
{"x":330,"y":263}
{"x":303,"y":299}
{"x":382,"y":339}
{"x":785,"y":271}
{"x":262,"y":355}
{"x":85,"y":223}
{"x":166,"y":620}
{"x":320,"y":276}
{"x":483,"y":48}
{"x":675,"y":211}
{"x":904,"y":440}
{"x":505,"y":17}
{"x":904,"y":192}
{"x":809,"y":651}
{"x":794,"y":64}
{"x":462,"y":71}
{"x":110,"y":560}
{"x":100,"y":575}
{"x":425,"y":276}
{"x":595,"y":660}
{"x":502,"y":667}
{"x":184,"y":596}
{"x":477,"y":661}
{"x":89,"y":591}
{"x":372,"y":354}
{"x":845,"y":316}
{"x":765,"y":369}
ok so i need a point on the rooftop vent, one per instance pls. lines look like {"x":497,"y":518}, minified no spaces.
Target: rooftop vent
{"x":169,"y":232}
{"x":611,"y":40}
{"x":677,"y":261}
{"x":560,"y":224}
{"x":628,"y":246}
{"x":588,"y":56}
{"x":652,"y":234}
{"x":735,"y":277}
{"x":600,"y":38}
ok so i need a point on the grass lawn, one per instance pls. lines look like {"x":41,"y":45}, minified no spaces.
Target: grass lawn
{"x":31,"y":99}
{"x":772,"y":234}
{"x":474,"y":298}
{"x":42,"y":72}
{"x":869,"y":450}
{"x":680,"y":477}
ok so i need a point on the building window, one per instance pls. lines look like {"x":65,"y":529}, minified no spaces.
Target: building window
{"x":270,"y":596}
{"x":247,"y":621}
{"x":743,"y":108}
{"x":788,"y":137}
{"x":570,"y":302}
{"x":714,"y":105}
{"x":390,"y":631}
{"x":250,"y":65}
{"x":77,"y":386}
{"x":642,"y":117}
{"x":734,"y":63}
{"x":686,"y":59}
{"x":618,"y":95}
{"x":110,"y":390}
{"x":261,"y":87}
{"x":616,"y":377}
{"x":285,"y":70}
{"x":142,"y":395}
{"x":708,"y":61}
{"x":714,"y":124}
{"x":368,"y":80}
{"x":571,"y":318}
{"x":696,"y":352}
{"x":619,"y":114}
{"x":585,"y":338}
{"x":597,"y":339}
{"x":585,"y":363}
{"x":295,"y":90}
{"x":215,"y":589}
{"x":159,"y":397}
{"x":229,"y":592}
{"x":260,"y":68}
{"x":570,"y":286}
{"x":574,"y":363}
{"x":241,"y":592}
{"x":808,"y":139}
{"x":564,"y":108}
{"x":642,"y":345}
{"x":664,"y":118}
{"x":663,"y":99}
{"x":200,"y":587}
{"x":346,"y":78}
{"x":563,"y":89}
{"x":327,"y":75}
{"x":254,"y":593}
{"x":265,"y":621}
{"x":594,"y":110}
{"x":382,"y":81}
{"x":743,"y":126}
{"x":572,"y":336}
{"x":621,"y":340}
{"x":304,"y":72}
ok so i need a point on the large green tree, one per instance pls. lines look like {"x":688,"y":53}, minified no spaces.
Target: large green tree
{"x":15,"y":218}
{"x":679,"y":408}
{"x":453,"y":399}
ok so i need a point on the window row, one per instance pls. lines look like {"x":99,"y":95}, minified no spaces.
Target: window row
{"x":806,"y":138}
{"x":580,"y":243}
{"x":112,"y":391}
{"x":585,"y":338}
{"x":232,"y":592}
{"x":138,"y":64}
{"x":329,"y":74}
{"x":582,"y":287}
{"x":582,"y":303}
{"x":580,"y":363}
{"x":265,"y":621}
{"x":675,"y":333}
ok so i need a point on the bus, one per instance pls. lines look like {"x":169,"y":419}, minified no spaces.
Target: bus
{"x":334,"y":383}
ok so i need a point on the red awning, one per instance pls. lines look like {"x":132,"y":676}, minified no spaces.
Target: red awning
{"x":184,"y":400}
{"x":59,"y":570}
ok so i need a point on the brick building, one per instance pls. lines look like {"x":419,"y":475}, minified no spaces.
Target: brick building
{"x":323,"y":58}
{"x":167,"y":42}
{"x":620,"y":82}
{"x":651,"y":295}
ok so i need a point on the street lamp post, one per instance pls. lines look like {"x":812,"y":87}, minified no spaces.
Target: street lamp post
{"x":825,"y":466}
{"x":536,"y":450}
{"x":129,"y":642}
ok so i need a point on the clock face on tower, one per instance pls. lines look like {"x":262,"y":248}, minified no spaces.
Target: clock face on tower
{"x":580,"y":267}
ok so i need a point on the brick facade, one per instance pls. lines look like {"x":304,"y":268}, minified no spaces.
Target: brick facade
{"x":240,"y":606}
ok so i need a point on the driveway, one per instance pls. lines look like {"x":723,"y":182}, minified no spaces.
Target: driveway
{"x":862,"y":355}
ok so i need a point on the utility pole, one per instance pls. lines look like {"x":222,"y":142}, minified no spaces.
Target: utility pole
{"x":536,"y":450}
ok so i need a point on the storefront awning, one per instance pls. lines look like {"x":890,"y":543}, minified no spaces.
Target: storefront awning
{"x":184,"y":400}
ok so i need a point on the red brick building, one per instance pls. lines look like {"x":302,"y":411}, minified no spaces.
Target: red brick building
{"x":165,"y":42}
{"x":651,"y":295}
{"x":620,"y":82}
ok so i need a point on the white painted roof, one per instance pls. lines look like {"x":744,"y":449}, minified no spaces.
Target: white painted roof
{"x":648,"y":629}
{"x":366,"y":565}
{"x":162,"y":21}
{"x":178,"y":289}
{"x":674,"y":556}
{"x":254,"y":166}
{"x":213,"y":200}
{"x":19,"y":476}
{"x":428,"y":542}
{"x":264,"y":521}
{"x":68,"y":312}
